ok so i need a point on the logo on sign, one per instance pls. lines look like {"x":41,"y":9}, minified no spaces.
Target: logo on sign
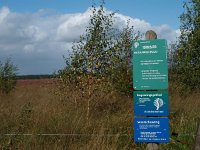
{"x":136,"y":44}
{"x":158,"y":102}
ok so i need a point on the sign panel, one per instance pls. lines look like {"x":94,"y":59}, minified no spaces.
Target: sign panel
{"x":151,"y":130}
{"x":151,"y":103}
{"x":150,"y":65}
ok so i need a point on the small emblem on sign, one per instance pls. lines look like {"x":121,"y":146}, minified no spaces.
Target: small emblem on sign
{"x":158,"y":102}
{"x":136,"y":44}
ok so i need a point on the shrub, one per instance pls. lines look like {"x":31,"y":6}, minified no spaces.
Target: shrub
{"x":7,"y":76}
{"x":188,"y":51}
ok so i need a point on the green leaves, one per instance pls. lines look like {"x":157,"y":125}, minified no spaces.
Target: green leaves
{"x":188,"y":51}
{"x":89,"y":54}
{"x":7,"y":76}
{"x":103,"y":52}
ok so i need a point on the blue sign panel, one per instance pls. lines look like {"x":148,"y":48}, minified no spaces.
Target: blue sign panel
{"x":153,"y":130}
{"x":151,"y":103}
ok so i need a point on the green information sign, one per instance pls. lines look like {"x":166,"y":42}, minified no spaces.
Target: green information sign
{"x":150,"y":65}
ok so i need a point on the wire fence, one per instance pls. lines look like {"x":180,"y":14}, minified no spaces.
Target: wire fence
{"x":45,"y":134}
{"x":172,"y":140}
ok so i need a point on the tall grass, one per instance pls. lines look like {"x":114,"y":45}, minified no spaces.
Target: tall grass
{"x":37,"y":110}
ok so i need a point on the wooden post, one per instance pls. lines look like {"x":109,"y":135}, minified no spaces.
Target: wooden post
{"x":197,"y":141}
{"x":151,"y":35}
{"x":152,"y":146}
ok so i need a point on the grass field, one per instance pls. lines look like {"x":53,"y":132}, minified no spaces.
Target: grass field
{"x":57,"y":122}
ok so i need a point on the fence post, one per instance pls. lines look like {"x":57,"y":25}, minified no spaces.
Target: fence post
{"x":151,"y":35}
{"x":197,"y":141}
{"x":152,"y":146}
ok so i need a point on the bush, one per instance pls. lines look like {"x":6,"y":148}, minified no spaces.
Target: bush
{"x":188,"y":51}
{"x":102,"y":53}
{"x":7,"y":76}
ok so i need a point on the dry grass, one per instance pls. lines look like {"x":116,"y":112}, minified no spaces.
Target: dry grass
{"x":36,"y":109}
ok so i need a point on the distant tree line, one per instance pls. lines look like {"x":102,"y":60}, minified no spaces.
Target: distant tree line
{"x":24,"y":77}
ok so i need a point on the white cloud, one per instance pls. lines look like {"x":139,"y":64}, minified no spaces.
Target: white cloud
{"x":138,"y":24}
{"x":42,"y":38}
{"x":163,"y":31}
{"x":74,"y":26}
{"x":29,"y":48}
{"x":4,"y":12}
{"x":34,"y":33}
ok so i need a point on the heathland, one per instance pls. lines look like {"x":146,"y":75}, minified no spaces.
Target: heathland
{"x":35,"y":116}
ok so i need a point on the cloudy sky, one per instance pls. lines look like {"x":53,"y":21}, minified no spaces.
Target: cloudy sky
{"x":36,"y":34}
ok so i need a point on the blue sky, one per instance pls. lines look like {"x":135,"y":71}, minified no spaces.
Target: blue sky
{"x":154,"y":11}
{"x":36,"y":33}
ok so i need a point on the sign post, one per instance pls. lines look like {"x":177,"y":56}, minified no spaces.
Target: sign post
{"x":150,"y":82}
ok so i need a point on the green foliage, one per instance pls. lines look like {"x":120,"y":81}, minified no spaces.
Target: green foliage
{"x":7,"y":76}
{"x":121,"y":73}
{"x":188,"y":51}
{"x":103,"y":53}
{"x":91,"y":55}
